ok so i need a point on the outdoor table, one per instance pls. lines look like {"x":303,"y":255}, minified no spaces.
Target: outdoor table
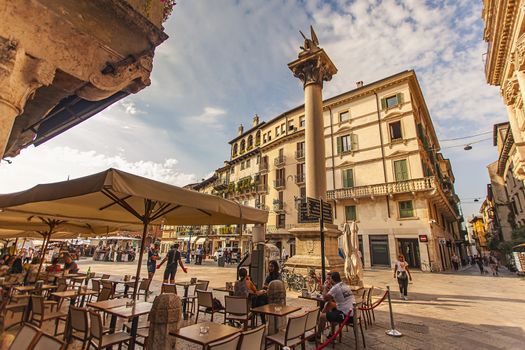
{"x":131,"y":312}
{"x":270,"y":310}
{"x":73,"y":294}
{"x":317,"y":298}
{"x":109,"y":304}
{"x":186,"y":285}
{"x":225,"y":290}
{"x":217,"y":331}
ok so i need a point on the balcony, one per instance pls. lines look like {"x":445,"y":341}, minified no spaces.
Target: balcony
{"x":279,"y":183}
{"x":261,"y":206}
{"x":279,"y":161}
{"x":220,"y":184}
{"x":262,"y":188}
{"x":299,"y":179}
{"x":278,"y":205}
{"x":263,"y":167}
{"x":299,"y":154}
{"x":415,"y":185}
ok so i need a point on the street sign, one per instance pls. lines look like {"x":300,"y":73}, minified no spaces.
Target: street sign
{"x":313,"y":207}
{"x":303,"y":214}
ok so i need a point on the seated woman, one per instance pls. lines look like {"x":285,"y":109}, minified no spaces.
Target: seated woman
{"x":54,"y":267}
{"x":273,"y":273}
{"x":16,"y":267}
{"x":70,"y":265}
{"x":244,"y":286}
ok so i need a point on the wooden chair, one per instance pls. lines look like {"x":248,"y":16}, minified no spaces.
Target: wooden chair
{"x":105,"y":294}
{"x":47,"y":342}
{"x":205,"y":304}
{"x":79,"y":323}
{"x":310,"y":329}
{"x":16,"y":308}
{"x":143,"y":289}
{"x":356,"y":322}
{"x":105,"y":277}
{"x":25,"y":338}
{"x":293,"y":335}
{"x":237,"y":309}
{"x":202,"y":285}
{"x":230,"y":343}
{"x":192,"y":295}
{"x":369,"y":303}
{"x":168,"y":288}
{"x":252,"y":337}
{"x":39,"y":314}
{"x":100,"y":340}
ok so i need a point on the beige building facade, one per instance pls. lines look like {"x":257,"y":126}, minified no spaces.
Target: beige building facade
{"x":383,"y":169}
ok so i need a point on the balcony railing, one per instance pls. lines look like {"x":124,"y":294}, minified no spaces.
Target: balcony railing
{"x":299,"y":154}
{"x":299,"y":179}
{"x":220,"y":184}
{"x":279,"y":183}
{"x":278,"y":205}
{"x":261,"y":206}
{"x":415,"y":185}
{"x":262,"y":188}
{"x":279,"y":161}
{"x":263,"y":167}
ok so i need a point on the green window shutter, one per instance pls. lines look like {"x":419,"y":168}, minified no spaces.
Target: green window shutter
{"x":339,"y":145}
{"x":401,"y":170}
{"x":345,"y":178}
{"x":399,"y":98}
{"x":353,"y":138}
{"x":350,"y":213}
{"x":350,"y":177}
{"x":383,"y":103}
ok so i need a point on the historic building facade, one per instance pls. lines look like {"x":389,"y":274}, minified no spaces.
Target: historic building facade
{"x":384,"y":170}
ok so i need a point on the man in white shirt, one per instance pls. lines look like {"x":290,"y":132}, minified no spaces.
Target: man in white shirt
{"x":344,"y":300}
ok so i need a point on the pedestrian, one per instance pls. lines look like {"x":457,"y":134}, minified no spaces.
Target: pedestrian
{"x":153,"y":256}
{"x":402,"y":273}
{"x":284,"y":255}
{"x":455,"y":261}
{"x":479,"y":261}
{"x":174,"y":259}
{"x":493,"y":264}
{"x":198,"y":256}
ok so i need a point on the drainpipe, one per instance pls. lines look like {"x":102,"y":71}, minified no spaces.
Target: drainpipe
{"x":333,"y":157}
{"x":382,"y":150}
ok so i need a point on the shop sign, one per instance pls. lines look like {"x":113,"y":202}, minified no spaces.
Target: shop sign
{"x":423,"y":238}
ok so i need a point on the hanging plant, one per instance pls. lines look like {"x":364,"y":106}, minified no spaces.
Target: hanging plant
{"x":168,"y":8}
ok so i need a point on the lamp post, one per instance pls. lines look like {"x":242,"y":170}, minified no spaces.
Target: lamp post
{"x":188,"y":253}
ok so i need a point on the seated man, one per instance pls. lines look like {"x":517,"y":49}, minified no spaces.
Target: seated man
{"x":70,"y":266}
{"x":344,"y":301}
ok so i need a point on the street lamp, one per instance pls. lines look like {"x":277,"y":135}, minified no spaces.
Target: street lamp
{"x":188,"y":253}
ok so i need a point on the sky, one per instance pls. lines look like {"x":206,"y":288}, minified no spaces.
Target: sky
{"x":226,"y":60}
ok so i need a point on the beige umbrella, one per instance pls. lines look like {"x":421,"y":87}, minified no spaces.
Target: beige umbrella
{"x":353,"y":264}
{"x":116,"y":198}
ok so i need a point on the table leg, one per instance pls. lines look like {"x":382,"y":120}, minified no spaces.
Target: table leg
{"x":82,"y":300}
{"x":185,"y":303}
{"x":67,"y":330}
{"x":126,"y":289}
{"x":134,"y":328}
{"x":112,"y":324}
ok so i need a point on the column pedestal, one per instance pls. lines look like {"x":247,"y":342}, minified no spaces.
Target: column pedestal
{"x":308,"y":249}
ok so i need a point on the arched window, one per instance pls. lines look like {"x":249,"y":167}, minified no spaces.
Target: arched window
{"x":250,"y":142}
{"x":258,"y":138}
{"x":243,"y":146}
{"x":235,"y":148}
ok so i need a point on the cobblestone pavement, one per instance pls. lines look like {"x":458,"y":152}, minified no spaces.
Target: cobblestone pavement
{"x":462,"y":310}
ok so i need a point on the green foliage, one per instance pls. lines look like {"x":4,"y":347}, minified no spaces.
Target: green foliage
{"x":518,"y":235}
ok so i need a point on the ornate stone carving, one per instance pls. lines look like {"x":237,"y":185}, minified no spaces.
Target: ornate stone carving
{"x":7,"y":56}
{"x":165,"y":317}
{"x":313,"y":71}
{"x":509,"y":90}
{"x":519,"y":53}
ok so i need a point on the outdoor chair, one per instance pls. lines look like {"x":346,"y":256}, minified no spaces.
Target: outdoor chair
{"x":230,"y":343}
{"x":39,"y":314}
{"x":190,"y":300}
{"x":293,"y":334}
{"x":205,"y":304}
{"x":105,"y":277}
{"x":25,"y":337}
{"x":252,"y":337}
{"x":168,"y":288}
{"x":100,"y":340}
{"x":60,"y":300}
{"x":180,"y":291}
{"x":79,"y":324}
{"x":310,"y":329}
{"x":96,"y":285}
{"x":104,"y":294}
{"x":237,"y":309}
{"x":356,"y":322}
{"x":16,"y":308}
{"x":108,"y":285}
{"x":202,"y":285}
{"x":47,"y":342}
{"x":363,"y":303}
{"x":143,"y":289}
{"x":369,"y":303}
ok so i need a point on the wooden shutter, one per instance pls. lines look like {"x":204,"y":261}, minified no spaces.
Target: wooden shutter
{"x":348,"y":178}
{"x":339,"y":145}
{"x":399,"y":97}
{"x":353,"y":140}
{"x":401,"y":170}
{"x":383,"y":103}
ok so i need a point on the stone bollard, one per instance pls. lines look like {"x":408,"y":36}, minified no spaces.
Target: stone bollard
{"x":276,"y":295}
{"x":165,"y":317}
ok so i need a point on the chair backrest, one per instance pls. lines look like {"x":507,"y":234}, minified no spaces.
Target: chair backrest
{"x":25,"y":336}
{"x":107,"y":284}
{"x":311,"y":320}
{"x":144,"y":284}
{"x":105,"y":277}
{"x":205,"y":298}
{"x":295,"y":328}
{"x":79,"y":318}
{"x":61,"y":288}
{"x":226,"y":344}
{"x":276,"y":292}
{"x":191,"y":289}
{"x":95,"y":285}
{"x":168,"y":288}
{"x":236,"y":305}
{"x":104,"y":294}
{"x":252,"y":337}
{"x":38,"y":304}
{"x":96,"y":328}
{"x":180,"y":290}
{"x":47,"y":342}
{"x":202,"y":284}
{"x":61,"y":281}
{"x":369,"y":296}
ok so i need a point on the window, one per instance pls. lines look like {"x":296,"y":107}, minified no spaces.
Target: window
{"x":277,"y":131}
{"x":281,"y":220}
{"x":269,"y":136}
{"x":391,"y":101}
{"x":406,"y":209}
{"x":283,"y":129}
{"x":290,"y":125}
{"x":242,"y":165}
{"x":247,"y":164}
{"x":348,"y":178}
{"x":301,"y":122}
{"x":350,"y":213}
{"x":346,"y":143}
{"x":264,"y":138}
{"x":344,"y":116}
{"x":395,"y":131}
{"x":232,"y":170}
{"x":302,"y":192}
{"x":401,"y":170}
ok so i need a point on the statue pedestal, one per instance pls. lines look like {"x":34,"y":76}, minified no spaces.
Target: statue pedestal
{"x":308,"y":249}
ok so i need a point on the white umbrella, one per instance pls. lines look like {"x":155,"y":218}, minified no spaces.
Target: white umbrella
{"x":353,"y":265}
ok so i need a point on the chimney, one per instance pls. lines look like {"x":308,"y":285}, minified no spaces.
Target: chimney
{"x":359,"y":84}
{"x":256,"y":120}
{"x":240,"y":130}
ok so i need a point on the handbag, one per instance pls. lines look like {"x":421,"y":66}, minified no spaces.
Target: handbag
{"x":402,"y":275}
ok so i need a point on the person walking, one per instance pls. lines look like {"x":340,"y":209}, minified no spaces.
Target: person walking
{"x":402,"y":273}
{"x":493,"y":261}
{"x":455,"y":261}
{"x":479,"y":262}
{"x":153,"y":256}
{"x":174,"y":259}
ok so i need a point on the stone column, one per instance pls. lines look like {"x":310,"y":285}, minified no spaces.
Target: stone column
{"x":20,"y":76}
{"x":165,"y":317}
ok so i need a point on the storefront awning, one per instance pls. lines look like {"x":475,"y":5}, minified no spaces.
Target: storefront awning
{"x":200,"y":240}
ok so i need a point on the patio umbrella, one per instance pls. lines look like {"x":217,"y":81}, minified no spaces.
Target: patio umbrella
{"x":353,"y":264}
{"x":114,"y":197}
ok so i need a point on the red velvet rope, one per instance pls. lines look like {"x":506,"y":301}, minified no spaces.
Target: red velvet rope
{"x":340,"y":329}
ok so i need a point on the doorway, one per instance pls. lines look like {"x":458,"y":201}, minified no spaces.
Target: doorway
{"x":410,"y":249}
{"x":379,"y":250}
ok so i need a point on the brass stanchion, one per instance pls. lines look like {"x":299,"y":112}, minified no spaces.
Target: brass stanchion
{"x":393,"y":332}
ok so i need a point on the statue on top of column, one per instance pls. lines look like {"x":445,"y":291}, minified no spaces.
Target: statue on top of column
{"x":310,"y":45}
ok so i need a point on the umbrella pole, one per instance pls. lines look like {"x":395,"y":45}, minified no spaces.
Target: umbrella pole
{"x":321,"y":227}
{"x":43,"y":254}
{"x":141,"y":254}
{"x":16,"y":242}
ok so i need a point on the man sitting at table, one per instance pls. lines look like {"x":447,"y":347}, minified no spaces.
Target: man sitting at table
{"x":344,"y":300}
{"x":174,"y":259}
{"x":69,"y":265}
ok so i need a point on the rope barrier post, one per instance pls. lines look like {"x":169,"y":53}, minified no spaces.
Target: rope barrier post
{"x":393,"y":332}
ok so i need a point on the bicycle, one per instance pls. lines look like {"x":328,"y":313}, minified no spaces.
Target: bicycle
{"x":314,"y":281}
{"x":427,"y":267}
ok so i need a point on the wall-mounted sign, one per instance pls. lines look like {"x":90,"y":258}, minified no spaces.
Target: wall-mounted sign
{"x":423,"y":238}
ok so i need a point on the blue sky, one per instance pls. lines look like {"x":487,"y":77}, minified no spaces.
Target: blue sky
{"x":226,"y":60}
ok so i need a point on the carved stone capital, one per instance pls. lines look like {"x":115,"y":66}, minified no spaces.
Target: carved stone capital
{"x":131,"y":77}
{"x":519,"y":53}
{"x":313,"y":68}
{"x":509,"y":91}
